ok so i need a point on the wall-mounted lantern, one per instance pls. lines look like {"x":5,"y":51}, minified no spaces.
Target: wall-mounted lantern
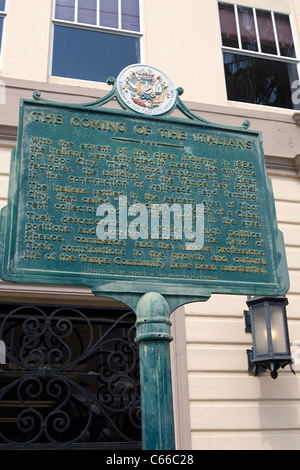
{"x":267,"y":321}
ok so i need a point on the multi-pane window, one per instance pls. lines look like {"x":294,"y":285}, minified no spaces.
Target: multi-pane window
{"x":259,"y":55}
{"x":2,"y":17}
{"x":95,"y":39}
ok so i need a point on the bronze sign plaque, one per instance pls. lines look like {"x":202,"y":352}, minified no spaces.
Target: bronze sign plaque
{"x":100,"y":195}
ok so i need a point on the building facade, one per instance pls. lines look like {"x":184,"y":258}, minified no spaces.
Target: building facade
{"x":235,"y":61}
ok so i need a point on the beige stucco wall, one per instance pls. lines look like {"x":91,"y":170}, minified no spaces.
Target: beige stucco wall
{"x":186,"y":47}
{"x":228,"y":408}
{"x":27,"y":39}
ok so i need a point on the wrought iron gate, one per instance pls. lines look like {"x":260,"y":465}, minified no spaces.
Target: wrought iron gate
{"x":71,"y":379}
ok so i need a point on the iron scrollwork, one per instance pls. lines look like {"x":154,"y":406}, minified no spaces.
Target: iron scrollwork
{"x":70,"y":378}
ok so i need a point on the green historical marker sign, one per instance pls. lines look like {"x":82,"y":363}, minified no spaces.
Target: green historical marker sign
{"x":153,"y":210}
{"x":105,"y":197}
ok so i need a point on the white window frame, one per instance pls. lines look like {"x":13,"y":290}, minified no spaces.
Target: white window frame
{"x":3,"y":15}
{"x":259,"y":53}
{"x":97,"y":27}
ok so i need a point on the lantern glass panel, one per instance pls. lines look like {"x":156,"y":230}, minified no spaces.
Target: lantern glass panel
{"x":278,"y":329}
{"x":260,"y":330}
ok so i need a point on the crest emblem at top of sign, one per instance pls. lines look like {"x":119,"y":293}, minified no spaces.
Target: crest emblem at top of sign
{"x":146,"y":89}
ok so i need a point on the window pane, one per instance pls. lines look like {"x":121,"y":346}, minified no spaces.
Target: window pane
{"x":87,"y":11}
{"x":285,"y":37}
{"x":65,"y":10}
{"x":130,"y":15}
{"x":247,"y":28}
{"x":109,"y":13}
{"x":2,"y":5}
{"x":228,"y":25}
{"x":266,"y":32}
{"x":260,"y":332}
{"x":259,"y":81}
{"x":92,"y":55}
{"x":278,"y":329}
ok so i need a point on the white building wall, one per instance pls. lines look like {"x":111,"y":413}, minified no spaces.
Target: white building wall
{"x":229,"y":408}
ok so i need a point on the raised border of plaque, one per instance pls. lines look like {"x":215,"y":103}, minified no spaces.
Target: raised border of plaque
{"x":72,"y":158}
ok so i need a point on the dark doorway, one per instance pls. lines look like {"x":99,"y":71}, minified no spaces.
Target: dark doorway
{"x":71,"y":378}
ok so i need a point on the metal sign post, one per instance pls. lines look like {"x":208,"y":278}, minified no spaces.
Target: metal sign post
{"x":154,"y":336}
